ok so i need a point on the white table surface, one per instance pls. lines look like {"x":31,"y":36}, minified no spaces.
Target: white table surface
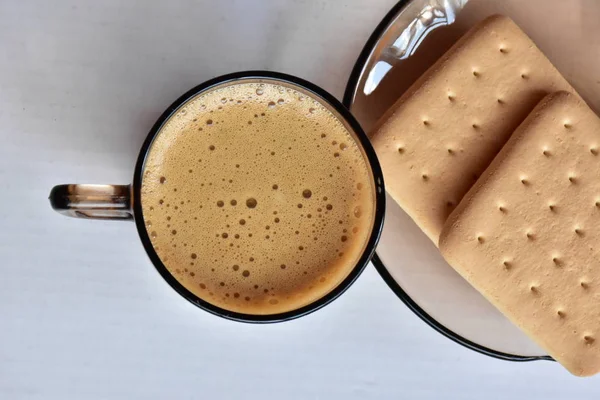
{"x":83,"y":313}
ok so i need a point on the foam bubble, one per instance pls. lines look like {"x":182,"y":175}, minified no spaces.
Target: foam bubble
{"x":251,"y":202}
{"x":357,"y":211}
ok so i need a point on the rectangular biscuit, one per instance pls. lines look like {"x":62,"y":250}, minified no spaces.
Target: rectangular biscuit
{"x":446,"y":129}
{"x":527,"y":235}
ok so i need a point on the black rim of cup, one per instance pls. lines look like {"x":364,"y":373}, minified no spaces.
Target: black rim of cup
{"x":361,"y":138}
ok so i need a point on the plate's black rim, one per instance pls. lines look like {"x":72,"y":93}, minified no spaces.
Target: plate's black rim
{"x":361,"y":137}
{"x":349,"y":94}
{"x":363,"y":57}
{"x":414,"y":307}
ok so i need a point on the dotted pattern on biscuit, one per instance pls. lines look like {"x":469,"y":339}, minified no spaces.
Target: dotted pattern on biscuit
{"x":528,"y":234}
{"x":439,"y":137}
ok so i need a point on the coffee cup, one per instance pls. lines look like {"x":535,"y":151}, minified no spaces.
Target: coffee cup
{"x":256,"y":195}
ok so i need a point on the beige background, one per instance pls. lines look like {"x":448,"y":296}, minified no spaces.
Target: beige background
{"x":83,"y":314}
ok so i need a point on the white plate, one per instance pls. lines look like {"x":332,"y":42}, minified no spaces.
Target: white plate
{"x":409,"y":39}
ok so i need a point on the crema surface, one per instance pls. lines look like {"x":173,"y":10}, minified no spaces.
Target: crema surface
{"x":256,"y":198}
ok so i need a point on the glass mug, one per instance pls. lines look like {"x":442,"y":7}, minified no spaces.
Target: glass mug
{"x":123,"y":202}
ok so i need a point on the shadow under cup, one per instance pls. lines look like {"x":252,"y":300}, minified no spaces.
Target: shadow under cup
{"x":123,"y":202}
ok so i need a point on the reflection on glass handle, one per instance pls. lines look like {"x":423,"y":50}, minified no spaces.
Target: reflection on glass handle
{"x":93,"y":201}
{"x":432,"y":15}
{"x":437,"y":13}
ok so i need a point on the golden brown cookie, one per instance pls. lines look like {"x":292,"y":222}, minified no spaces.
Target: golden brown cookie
{"x":527,"y":235}
{"x":446,"y":129}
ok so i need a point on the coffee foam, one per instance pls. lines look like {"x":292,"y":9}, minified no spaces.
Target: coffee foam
{"x":256,"y":198}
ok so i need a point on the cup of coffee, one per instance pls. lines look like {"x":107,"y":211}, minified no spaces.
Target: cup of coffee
{"x":256,"y":195}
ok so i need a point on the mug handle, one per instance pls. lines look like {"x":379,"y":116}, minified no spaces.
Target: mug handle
{"x":109,"y":202}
